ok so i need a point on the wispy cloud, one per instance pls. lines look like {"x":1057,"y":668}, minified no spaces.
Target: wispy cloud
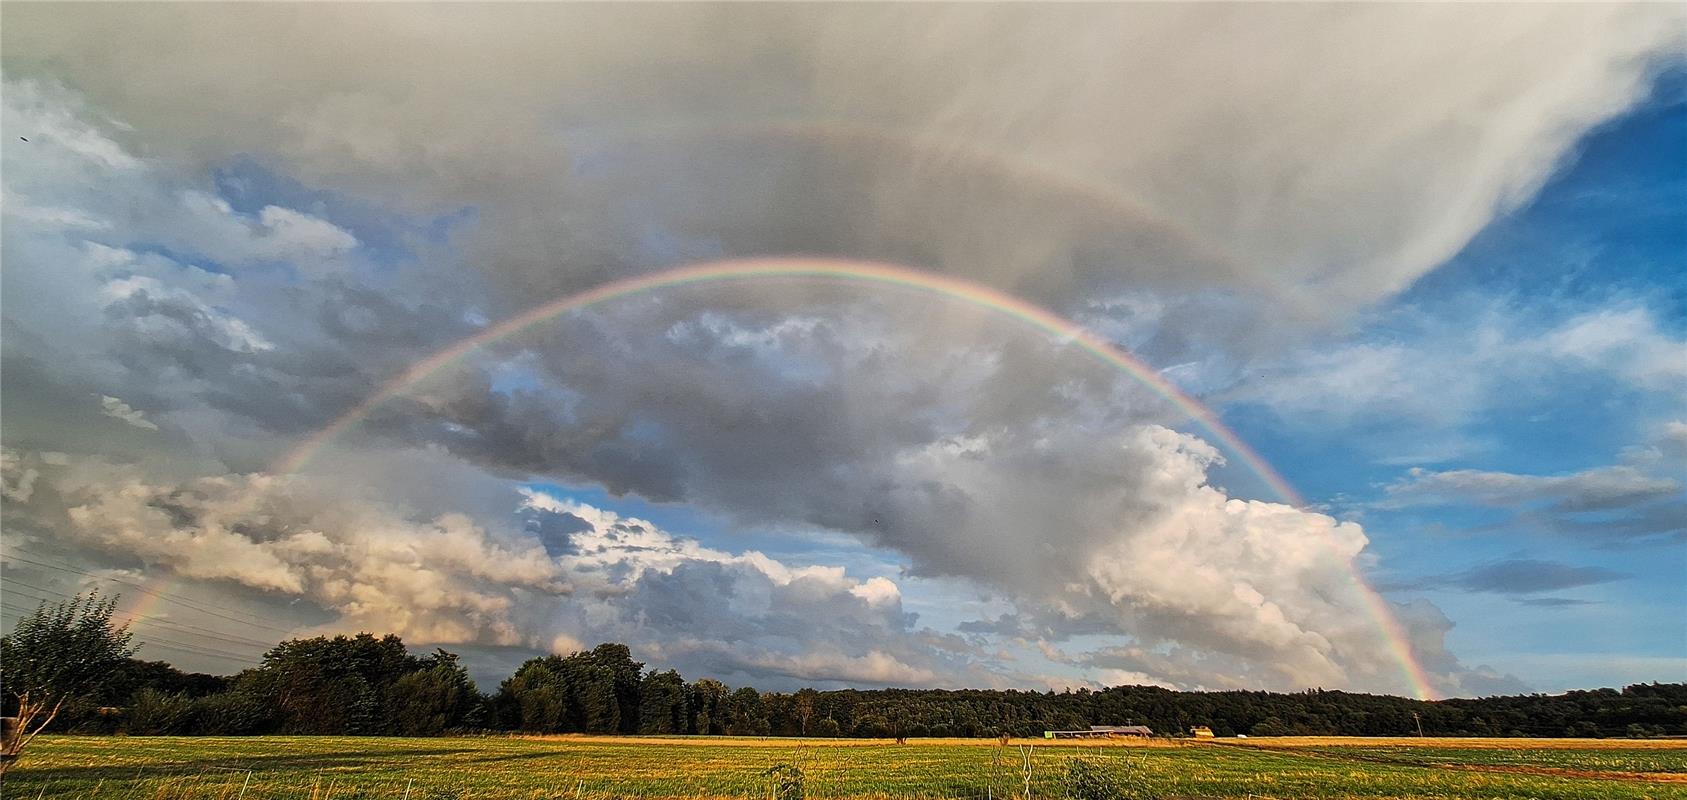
{"x":1475,"y":360}
{"x":1640,"y":499}
{"x":1518,"y":576}
{"x":1597,"y":489}
{"x":1553,"y":602}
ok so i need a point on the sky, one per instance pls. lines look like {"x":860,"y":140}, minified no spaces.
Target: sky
{"x":1415,"y":272}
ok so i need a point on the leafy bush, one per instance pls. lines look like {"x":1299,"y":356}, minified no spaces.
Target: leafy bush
{"x":234,"y":713}
{"x":787,"y":781}
{"x":155,"y":713}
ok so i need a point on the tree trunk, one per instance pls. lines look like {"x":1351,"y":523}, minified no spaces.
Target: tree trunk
{"x":32,"y":718}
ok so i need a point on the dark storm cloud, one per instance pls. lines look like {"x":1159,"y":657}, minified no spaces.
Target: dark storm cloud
{"x":931,"y":134}
{"x":803,"y":422}
{"x":554,"y":531}
{"x":1004,"y":625}
{"x":49,"y":410}
{"x":672,"y":404}
{"x":708,"y":195}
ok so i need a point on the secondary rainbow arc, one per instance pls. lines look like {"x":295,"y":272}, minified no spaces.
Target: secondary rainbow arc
{"x":881,"y":274}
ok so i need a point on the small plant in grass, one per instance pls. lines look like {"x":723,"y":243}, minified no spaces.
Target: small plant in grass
{"x":787,"y":781}
{"x":1091,"y":779}
{"x":1088,"y":780}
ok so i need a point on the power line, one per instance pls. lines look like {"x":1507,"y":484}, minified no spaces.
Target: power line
{"x":199,"y":651}
{"x":186,"y":629}
{"x":147,"y":638}
{"x":175,"y":645}
{"x":195,"y":603}
{"x":161,"y":595}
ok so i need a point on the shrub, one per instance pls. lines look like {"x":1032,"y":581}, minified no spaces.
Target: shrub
{"x":1088,"y":779}
{"x":787,"y":781}
{"x":155,"y":713}
{"x":233,"y":713}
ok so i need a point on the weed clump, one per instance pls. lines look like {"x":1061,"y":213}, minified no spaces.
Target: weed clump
{"x":787,"y":781}
{"x":1089,"y":779}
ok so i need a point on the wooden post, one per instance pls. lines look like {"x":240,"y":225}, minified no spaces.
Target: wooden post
{"x":9,"y":733}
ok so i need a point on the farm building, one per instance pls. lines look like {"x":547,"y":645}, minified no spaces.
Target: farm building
{"x":1101,"y":732}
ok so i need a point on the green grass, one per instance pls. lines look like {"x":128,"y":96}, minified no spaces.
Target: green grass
{"x":324,"y":768}
{"x":1602,"y":759}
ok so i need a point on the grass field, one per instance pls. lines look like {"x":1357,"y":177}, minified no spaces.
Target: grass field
{"x":1659,"y":760}
{"x":346,"y":768}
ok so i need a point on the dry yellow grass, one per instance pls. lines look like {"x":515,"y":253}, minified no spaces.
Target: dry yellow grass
{"x":1462,"y":743}
{"x":695,"y":768}
{"x":763,"y":741}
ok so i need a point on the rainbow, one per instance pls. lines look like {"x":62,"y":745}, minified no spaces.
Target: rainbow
{"x":811,"y":268}
{"x":927,"y":150}
{"x":153,"y":594}
{"x":882,"y":274}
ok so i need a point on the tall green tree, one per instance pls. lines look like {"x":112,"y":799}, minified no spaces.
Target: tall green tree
{"x":747,"y":714}
{"x":332,"y":685}
{"x":662,"y":703}
{"x":803,"y":707}
{"x":535,"y":698}
{"x":625,"y":676}
{"x":57,"y":654}
{"x":709,"y":704}
{"x":593,"y":689}
{"x":434,"y":699}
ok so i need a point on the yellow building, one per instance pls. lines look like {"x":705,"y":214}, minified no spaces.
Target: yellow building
{"x":1201,"y":732}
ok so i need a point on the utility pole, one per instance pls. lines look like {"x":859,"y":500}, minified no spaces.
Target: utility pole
{"x":1419,"y":721}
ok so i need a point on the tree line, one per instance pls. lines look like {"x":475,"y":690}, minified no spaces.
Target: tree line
{"x":374,"y":685}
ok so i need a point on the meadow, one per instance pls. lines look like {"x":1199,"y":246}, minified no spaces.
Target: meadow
{"x":603,"y":768}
